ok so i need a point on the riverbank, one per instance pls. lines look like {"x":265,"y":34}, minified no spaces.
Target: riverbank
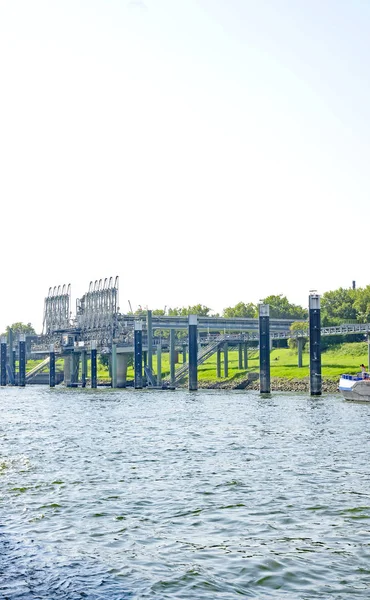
{"x":281,"y":384}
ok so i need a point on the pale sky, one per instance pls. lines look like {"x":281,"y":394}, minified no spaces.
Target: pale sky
{"x":206,"y":151}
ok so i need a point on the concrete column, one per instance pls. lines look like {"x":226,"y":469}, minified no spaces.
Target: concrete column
{"x":172,"y":356}
{"x":183,"y":353}
{"x":218,"y":364}
{"x":300,"y":351}
{"x":83,"y":368}
{"x":193,"y":352}
{"x":94,"y":369}
{"x":75,"y":366}
{"x":52,"y":366}
{"x":159,"y":365}
{"x":122,"y":360}
{"x":226,"y":360}
{"x":3,"y":361}
{"x":240,"y":356}
{"x":314,"y":318}
{"x":264,"y":335}
{"x":149,"y":326}
{"x":22,"y":361}
{"x":114,"y":366}
{"x":138,"y":355}
{"x":67,"y":370}
{"x":246,"y":355}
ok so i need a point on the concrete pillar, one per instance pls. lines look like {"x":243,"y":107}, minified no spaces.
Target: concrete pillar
{"x":22,"y":361}
{"x":83,"y":368}
{"x":218,"y":364}
{"x":149,"y":326}
{"x":67,"y":370}
{"x":159,"y":365}
{"x":246,"y":355}
{"x":184,"y":354}
{"x":138,"y":355}
{"x":300,"y":351}
{"x":122,"y":360}
{"x":75,"y":368}
{"x":240,"y":356}
{"x":172,"y":356}
{"x":193,"y":352}
{"x":314,"y":318}
{"x":114,"y":366}
{"x":3,"y":361}
{"x":52,"y":366}
{"x":94,"y":365}
{"x":264,"y":335}
{"x":226,"y":360}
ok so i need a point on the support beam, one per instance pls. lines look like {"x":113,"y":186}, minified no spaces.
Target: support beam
{"x":114,"y":366}
{"x":183,"y":354}
{"x":83,"y":368}
{"x":149,"y":327}
{"x":172,"y":356}
{"x":240,"y":348}
{"x":67,"y":370}
{"x":122,"y":360}
{"x":159,"y":365}
{"x":52,"y":366}
{"x":193,"y":352}
{"x":94,"y":369}
{"x":218,"y":364}
{"x":3,"y":361}
{"x":245,"y":355}
{"x":22,"y":361}
{"x":264,"y":335}
{"x":314,"y":318}
{"x":300,"y":351}
{"x":226,"y":360}
{"x":138,"y":355}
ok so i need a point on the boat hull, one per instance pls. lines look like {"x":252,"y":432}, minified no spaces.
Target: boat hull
{"x":355,"y":389}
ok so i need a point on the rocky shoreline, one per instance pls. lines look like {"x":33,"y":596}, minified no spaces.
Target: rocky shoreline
{"x":280,"y":384}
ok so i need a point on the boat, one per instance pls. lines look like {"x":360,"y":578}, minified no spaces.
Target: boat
{"x":355,"y":387}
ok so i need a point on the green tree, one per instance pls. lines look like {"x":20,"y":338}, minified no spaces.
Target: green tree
{"x":281,"y":308}
{"x":197,"y":309}
{"x":298,"y":328}
{"x":241,"y":310}
{"x":20,"y":328}
{"x":362,"y":304}
{"x":338,"y":306}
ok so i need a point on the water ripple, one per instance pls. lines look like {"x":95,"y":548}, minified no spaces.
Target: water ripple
{"x":134,"y":495}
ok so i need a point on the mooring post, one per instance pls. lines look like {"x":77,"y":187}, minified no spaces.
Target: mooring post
{"x":264,"y":331}
{"x":218,"y":363}
{"x":52,"y":365}
{"x":226,"y":360}
{"x":22,"y":360}
{"x":3,"y":361}
{"x":149,"y":327}
{"x":83,"y":368}
{"x":240,"y":365}
{"x":245,"y":355}
{"x":315,"y":344}
{"x":193,"y":352}
{"x":172,"y":356}
{"x":300,"y":351}
{"x":94,"y":370}
{"x":11,"y":358}
{"x":159,"y":365}
{"x":138,"y":355}
{"x":114,"y":366}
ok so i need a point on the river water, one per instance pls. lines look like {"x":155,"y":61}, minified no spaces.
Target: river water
{"x":158,"y":494}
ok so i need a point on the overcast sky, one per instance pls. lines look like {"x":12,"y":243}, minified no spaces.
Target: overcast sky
{"x":210,"y":151}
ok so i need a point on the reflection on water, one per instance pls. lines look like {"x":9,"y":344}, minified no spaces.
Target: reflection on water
{"x":114,"y":495}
